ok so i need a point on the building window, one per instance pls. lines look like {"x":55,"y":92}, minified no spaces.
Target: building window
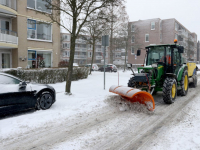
{"x":67,"y":53}
{"x":133,"y":39}
{"x":176,"y":26}
{"x":152,"y":25}
{"x":66,"y":45}
{"x":176,"y":36}
{"x":39,"y":5}
{"x":146,"y":37}
{"x":39,"y":30}
{"x":5,"y":59}
{"x":161,"y":25}
{"x":132,"y":28}
{"x":39,"y":59}
{"x":132,"y":51}
{"x":90,"y":54}
{"x":31,"y":4}
{"x":160,"y":37}
{"x":118,"y":55}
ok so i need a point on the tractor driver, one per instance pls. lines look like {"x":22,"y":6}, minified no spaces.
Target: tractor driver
{"x":168,"y":59}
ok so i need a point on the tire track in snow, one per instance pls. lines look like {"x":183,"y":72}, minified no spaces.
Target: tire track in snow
{"x":136,"y":139}
{"x":132,"y":136}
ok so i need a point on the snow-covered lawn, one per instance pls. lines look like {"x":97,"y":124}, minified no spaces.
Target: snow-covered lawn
{"x":88,"y":95}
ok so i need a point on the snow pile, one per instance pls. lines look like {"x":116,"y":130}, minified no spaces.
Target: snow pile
{"x":123,"y":105}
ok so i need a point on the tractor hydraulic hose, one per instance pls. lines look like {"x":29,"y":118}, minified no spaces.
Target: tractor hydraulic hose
{"x":148,"y":83}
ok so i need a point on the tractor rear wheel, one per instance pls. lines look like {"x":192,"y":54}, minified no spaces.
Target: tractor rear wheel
{"x":169,"y":90}
{"x":184,"y":84}
{"x":131,"y":82}
{"x":194,"y":84}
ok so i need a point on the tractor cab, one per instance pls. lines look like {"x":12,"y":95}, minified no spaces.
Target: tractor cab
{"x":168,"y":56}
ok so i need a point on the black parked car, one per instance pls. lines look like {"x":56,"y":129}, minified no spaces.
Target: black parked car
{"x":109,"y":68}
{"x":17,"y":95}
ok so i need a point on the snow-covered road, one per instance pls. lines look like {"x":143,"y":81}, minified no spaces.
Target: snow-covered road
{"x":93,"y":118}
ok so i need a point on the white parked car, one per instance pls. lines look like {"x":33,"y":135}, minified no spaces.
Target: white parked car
{"x":75,"y":64}
{"x":94,"y":67}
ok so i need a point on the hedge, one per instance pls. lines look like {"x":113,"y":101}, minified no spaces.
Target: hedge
{"x":50,"y":75}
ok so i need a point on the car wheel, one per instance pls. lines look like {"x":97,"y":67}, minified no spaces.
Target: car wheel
{"x":45,"y":100}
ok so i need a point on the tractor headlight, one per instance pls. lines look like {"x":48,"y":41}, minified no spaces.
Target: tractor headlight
{"x":154,"y":65}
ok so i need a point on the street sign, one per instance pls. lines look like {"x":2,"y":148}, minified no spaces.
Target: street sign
{"x":105,"y":40}
{"x":135,"y":56}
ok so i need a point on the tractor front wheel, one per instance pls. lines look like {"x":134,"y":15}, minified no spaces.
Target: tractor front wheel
{"x":169,"y":90}
{"x":184,"y":84}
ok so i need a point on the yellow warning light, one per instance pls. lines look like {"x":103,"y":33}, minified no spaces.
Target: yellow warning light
{"x":175,"y":41}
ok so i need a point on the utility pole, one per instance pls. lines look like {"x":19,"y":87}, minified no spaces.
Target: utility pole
{"x":198,"y":51}
{"x":105,"y":42}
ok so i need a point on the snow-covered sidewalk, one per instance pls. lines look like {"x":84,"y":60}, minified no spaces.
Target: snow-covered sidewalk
{"x":88,"y":95}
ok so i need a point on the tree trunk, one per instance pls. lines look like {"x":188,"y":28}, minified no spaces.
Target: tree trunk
{"x":71,"y":60}
{"x":126,"y":55}
{"x":111,"y":38}
{"x":93,"y":51}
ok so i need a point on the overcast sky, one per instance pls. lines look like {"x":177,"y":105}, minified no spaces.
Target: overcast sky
{"x":187,"y":12}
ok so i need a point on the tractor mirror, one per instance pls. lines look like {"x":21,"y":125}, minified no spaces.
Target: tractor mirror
{"x":181,"y":49}
{"x":138,"y":52}
{"x":129,"y":65}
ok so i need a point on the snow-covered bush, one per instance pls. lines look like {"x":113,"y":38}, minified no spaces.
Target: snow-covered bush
{"x":48,"y":75}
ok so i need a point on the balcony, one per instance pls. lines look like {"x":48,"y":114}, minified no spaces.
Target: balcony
{"x":80,"y":57}
{"x":81,"y":41}
{"x":123,"y":57}
{"x":8,"y":6}
{"x":182,"y":43}
{"x":98,"y":50}
{"x":79,"y":49}
{"x":119,"y":62}
{"x":98,"y":43}
{"x":123,"y":50}
{"x":8,"y":39}
{"x":99,"y":57}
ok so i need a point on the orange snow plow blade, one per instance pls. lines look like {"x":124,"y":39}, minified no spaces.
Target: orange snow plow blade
{"x":134,"y":95}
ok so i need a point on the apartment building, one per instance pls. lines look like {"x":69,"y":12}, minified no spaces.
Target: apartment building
{"x":83,"y":50}
{"x":27,"y":38}
{"x":119,"y":51}
{"x":157,"y":31}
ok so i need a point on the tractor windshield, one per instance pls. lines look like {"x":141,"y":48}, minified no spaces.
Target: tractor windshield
{"x":156,"y":54}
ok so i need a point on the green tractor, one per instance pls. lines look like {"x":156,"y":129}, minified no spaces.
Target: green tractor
{"x":165,"y":69}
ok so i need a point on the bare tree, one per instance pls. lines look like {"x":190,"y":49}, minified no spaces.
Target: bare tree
{"x":123,"y":34}
{"x":95,"y":29}
{"x":115,"y":15}
{"x":74,"y":14}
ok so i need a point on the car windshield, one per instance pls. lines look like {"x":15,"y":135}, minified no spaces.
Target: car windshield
{"x":156,"y":54}
{"x":8,"y":80}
